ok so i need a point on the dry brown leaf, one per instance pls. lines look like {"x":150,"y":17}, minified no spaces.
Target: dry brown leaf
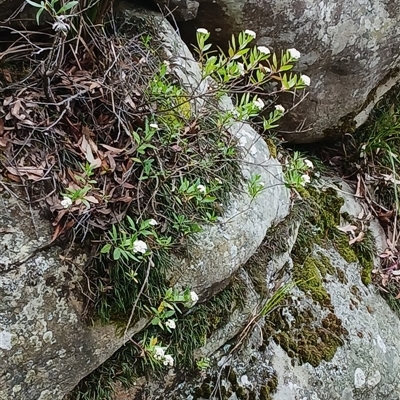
{"x":112,"y":149}
{"x":6,"y":75}
{"x":92,"y":199}
{"x":358,"y":238}
{"x":33,"y":173}
{"x":348,"y":228}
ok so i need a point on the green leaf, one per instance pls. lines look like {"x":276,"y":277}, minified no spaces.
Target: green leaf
{"x":38,"y":14}
{"x":33,"y":4}
{"x":67,"y":7}
{"x":106,"y":248}
{"x":117,"y":254}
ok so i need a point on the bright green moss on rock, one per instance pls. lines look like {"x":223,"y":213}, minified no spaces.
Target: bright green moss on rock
{"x":309,"y":280}
{"x":304,"y":338}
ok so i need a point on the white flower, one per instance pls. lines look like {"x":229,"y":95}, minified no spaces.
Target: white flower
{"x":168,"y":360}
{"x":280,"y":108}
{"x":305,"y":179}
{"x":306,"y":79}
{"x":194,"y":298}
{"x":202,"y":31}
{"x":309,"y":164}
{"x":66,"y":202}
{"x":154,"y":126}
{"x":218,"y":180}
{"x":159,"y":353}
{"x":170,"y":324}
{"x":250,"y":33}
{"x":139,"y":246}
{"x":294,"y":54}
{"x":60,"y":25}
{"x":263,"y":49}
{"x":259,"y":104}
{"x":153,"y":222}
{"x":201,"y":188}
{"x":241,"y":68}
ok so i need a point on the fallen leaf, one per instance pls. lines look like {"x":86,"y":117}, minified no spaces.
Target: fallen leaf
{"x":358,"y":238}
{"x":348,"y":228}
{"x":92,"y":199}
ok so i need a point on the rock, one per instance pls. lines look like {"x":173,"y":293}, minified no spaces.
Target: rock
{"x":348,"y":49}
{"x":347,"y":349}
{"x":220,"y":249}
{"x":45,"y":346}
{"x":183,"y":10}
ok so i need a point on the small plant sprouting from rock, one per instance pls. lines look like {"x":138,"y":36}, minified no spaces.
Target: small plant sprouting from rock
{"x":255,"y":186}
{"x":298,"y":171}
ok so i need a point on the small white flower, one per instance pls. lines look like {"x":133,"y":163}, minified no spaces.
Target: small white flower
{"x":241,"y":68}
{"x":153,"y":222}
{"x":259,"y":104}
{"x":154,"y":126}
{"x":305,"y":179}
{"x":139,"y":246}
{"x":263,"y":49}
{"x":306,"y":79}
{"x":170,"y":324}
{"x":60,"y":25}
{"x":202,"y":31}
{"x":159,"y":353}
{"x":66,"y":202}
{"x":194,"y":298}
{"x":294,"y":54}
{"x":250,"y":33}
{"x":168,"y":360}
{"x":201,"y":188}
{"x":309,"y":164}
{"x":280,"y":108}
{"x":218,"y":180}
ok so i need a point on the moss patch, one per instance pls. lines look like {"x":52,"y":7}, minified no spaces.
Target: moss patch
{"x":308,"y":276}
{"x":306,"y":339}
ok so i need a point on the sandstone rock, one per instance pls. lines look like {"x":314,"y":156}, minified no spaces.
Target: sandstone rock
{"x":349,"y":49}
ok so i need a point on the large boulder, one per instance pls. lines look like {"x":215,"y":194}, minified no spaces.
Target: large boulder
{"x":338,"y":340}
{"x":349,"y":49}
{"x":45,"y":345}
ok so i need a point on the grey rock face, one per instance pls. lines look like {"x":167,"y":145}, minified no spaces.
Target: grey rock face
{"x":366,"y":364}
{"x":183,"y":10}
{"x":45,"y":346}
{"x":349,"y":49}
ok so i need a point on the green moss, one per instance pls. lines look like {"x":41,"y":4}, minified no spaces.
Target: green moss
{"x":366,"y":251}
{"x":267,"y":390}
{"x":341,"y":244}
{"x":309,"y":280}
{"x":327,"y":265}
{"x":306,"y":340}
